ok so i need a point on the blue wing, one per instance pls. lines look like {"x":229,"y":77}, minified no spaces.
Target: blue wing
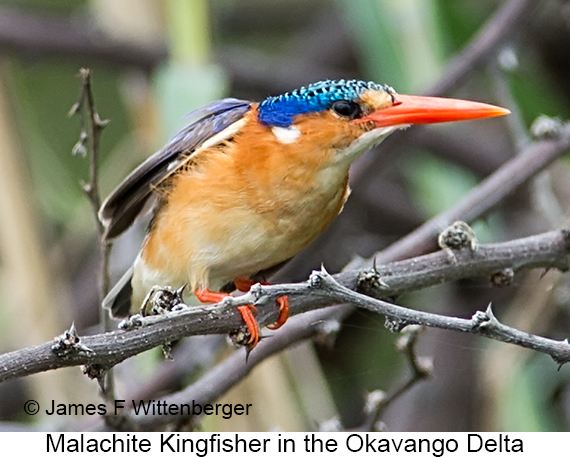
{"x":126,"y":202}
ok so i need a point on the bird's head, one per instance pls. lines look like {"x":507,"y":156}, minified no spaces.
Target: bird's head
{"x":355,"y":115}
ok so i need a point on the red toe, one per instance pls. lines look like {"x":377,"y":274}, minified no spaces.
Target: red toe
{"x":283,"y":313}
{"x":247,"y":313}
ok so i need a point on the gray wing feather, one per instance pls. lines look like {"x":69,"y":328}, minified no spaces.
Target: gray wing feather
{"x":126,"y":202}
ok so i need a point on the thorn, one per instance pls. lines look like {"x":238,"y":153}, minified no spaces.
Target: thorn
{"x":101,"y":123}
{"x":180,"y":292}
{"x":101,"y":382}
{"x":249,"y":348}
{"x":73,"y":331}
{"x":74,"y":109}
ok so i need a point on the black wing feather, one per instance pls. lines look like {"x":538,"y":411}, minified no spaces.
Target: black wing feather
{"x":126,"y":202}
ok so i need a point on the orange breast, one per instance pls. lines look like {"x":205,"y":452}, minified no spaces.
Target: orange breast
{"x":249,"y":204}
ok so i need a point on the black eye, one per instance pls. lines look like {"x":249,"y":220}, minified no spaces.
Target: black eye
{"x":347,"y":109}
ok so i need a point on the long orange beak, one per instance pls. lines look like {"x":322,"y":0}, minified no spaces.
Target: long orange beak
{"x":412,"y":109}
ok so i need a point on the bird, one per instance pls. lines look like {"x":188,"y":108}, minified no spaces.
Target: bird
{"x":246,"y":185}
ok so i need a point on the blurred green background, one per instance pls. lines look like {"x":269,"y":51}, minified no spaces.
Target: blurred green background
{"x":154,"y":61}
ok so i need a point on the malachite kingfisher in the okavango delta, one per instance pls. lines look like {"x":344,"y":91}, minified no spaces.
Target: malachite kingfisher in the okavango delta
{"x":248,"y":185}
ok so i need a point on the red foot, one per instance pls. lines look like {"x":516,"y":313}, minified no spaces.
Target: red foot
{"x":283,"y":313}
{"x":243,"y":285}
{"x":247,"y":312}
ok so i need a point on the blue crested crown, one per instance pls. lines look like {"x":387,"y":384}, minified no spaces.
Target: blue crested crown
{"x":280,"y":110}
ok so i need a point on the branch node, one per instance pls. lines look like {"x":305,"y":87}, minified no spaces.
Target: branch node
{"x":368,"y":282}
{"x":162,"y":300}
{"x":546,"y":128}
{"x":167,"y":351}
{"x":79,"y":148}
{"x":132,"y":322}
{"x":558,"y":358}
{"x":503,"y":277}
{"x":395,"y":324}
{"x":481,"y":320}
{"x":97,"y":372}
{"x":69,"y":343}
{"x":373,"y":401}
{"x":317,"y":278}
{"x":257,"y":291}
{"x":507,"y":58}
{"x":457,"y":236}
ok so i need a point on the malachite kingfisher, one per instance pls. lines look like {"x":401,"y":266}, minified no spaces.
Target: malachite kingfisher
{"x":246,"y":186}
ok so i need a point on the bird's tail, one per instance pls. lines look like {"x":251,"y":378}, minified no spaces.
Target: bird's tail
{"x":118,"y":300}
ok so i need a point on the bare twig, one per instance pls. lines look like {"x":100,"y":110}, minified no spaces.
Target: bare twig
{"x":421,"y":367}
{"x":91,"y":127}
{"x":544,"y":199}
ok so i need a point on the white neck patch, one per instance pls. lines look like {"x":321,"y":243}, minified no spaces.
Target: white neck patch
{"x":365,"y":142}
{"x":286,"y":135}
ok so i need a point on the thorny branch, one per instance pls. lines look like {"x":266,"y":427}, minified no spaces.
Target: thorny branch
{"x":548,"y":250}
{"x":91,"y":128}
{"x":323,"y":289}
